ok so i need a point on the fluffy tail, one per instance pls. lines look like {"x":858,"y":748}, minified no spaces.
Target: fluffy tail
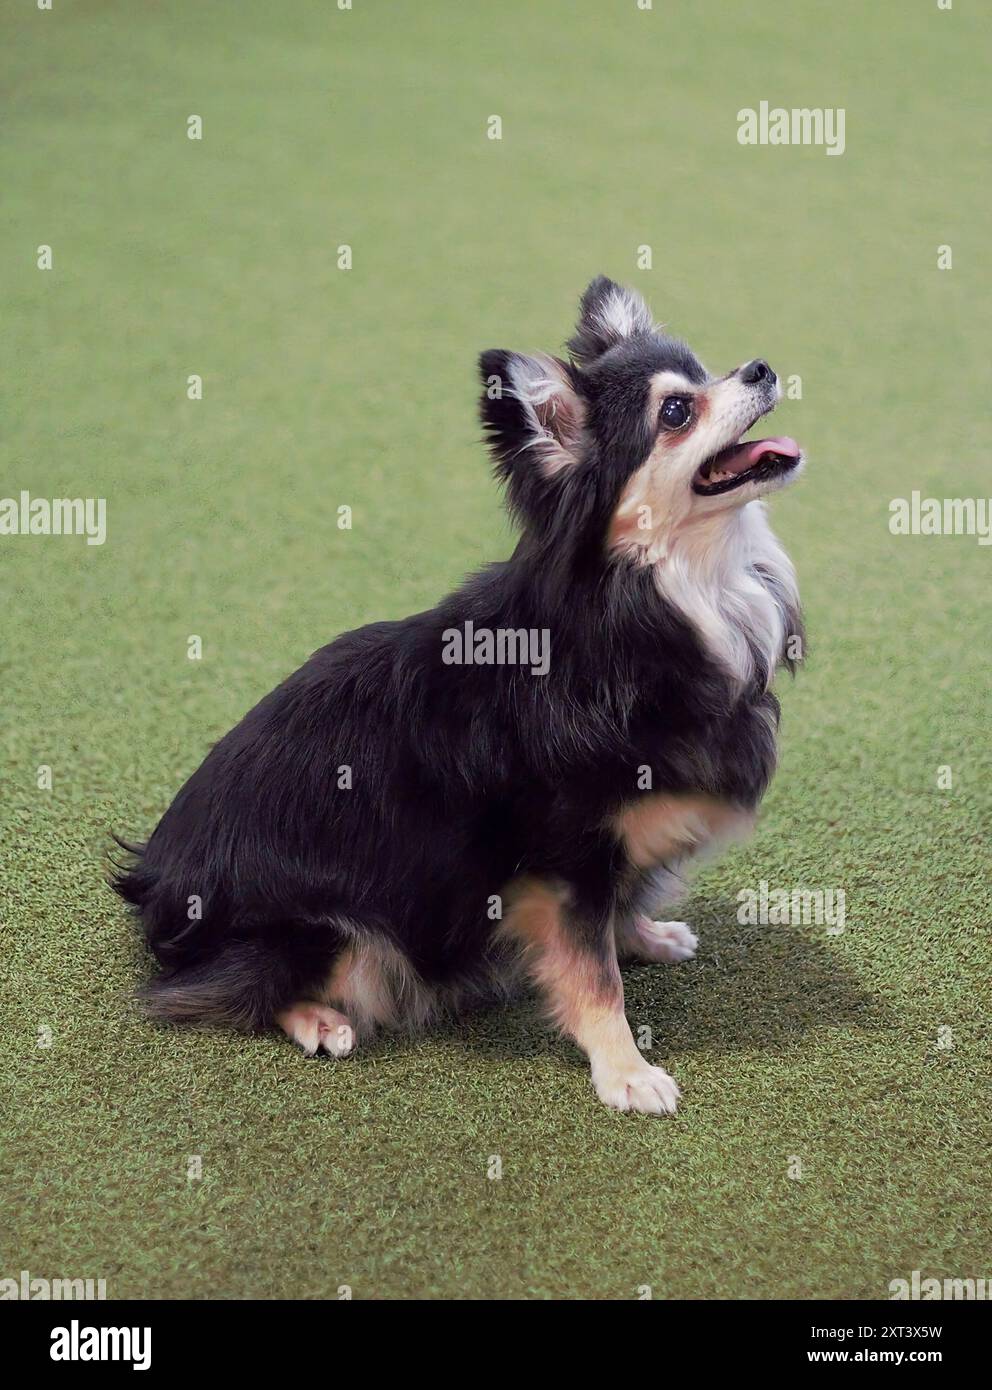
{"x":220,"y":970}
{"x":244,"y":986}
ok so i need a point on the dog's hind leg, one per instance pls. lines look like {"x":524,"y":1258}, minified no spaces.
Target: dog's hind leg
{"x":569,"y":950}
{"x":370,"y":984}
{"x":318,"y":1027}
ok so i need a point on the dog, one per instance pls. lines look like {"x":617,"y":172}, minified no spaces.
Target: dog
{"x":411,"y":825}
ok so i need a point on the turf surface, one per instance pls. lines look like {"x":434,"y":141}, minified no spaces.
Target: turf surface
{"x":323,"y":388}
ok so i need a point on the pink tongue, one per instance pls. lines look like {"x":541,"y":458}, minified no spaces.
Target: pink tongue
{"x":741,"y":456}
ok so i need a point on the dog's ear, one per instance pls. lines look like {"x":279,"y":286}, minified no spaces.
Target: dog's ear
{"x":608,"y":313}
{"x":532,"y":413}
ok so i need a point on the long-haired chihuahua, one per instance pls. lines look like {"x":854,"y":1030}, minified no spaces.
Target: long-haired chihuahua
{"x":506,"y":790}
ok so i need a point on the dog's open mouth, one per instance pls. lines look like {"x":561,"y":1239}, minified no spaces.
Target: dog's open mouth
{"x":748,"y":462}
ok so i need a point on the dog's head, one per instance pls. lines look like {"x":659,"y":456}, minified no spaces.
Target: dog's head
{"x":631,"y":435}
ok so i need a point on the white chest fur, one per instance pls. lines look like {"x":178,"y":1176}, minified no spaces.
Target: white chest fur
{"x":730,"y":578}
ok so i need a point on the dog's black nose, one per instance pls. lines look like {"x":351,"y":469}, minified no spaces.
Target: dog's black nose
{"x":756,"y":371}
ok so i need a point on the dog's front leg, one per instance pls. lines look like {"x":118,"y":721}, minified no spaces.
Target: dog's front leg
{"x":570,"y":951}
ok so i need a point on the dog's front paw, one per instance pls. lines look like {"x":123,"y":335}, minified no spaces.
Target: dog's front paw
{"x":647,"y":1089}
{"x":665,"y":941}
{"x":315,"y":1026}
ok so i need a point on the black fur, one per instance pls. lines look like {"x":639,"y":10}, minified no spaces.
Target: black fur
{"x":463,"y":777}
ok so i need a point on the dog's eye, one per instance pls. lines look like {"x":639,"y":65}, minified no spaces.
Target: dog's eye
{"x":675,"y":412}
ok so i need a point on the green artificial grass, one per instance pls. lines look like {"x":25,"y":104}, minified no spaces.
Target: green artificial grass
{"x":325,"y":388}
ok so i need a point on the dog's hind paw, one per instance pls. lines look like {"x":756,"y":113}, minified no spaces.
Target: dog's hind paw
{"x":665,"y":941}
{"x":315,"y":1026}
{"x":647,"y":1089}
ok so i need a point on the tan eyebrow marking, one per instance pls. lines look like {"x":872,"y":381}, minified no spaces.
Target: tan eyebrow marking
{"x":671,"y":384}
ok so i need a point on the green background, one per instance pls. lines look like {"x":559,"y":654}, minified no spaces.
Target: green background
{"x":325,"y":388}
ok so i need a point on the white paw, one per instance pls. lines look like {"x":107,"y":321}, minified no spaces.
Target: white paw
{"x":315,"y":1026}
{"x":647,"y":1089}
{"x":668,"y":941}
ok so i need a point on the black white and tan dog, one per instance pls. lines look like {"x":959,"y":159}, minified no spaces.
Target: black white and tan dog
{"x":391,"y":834}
